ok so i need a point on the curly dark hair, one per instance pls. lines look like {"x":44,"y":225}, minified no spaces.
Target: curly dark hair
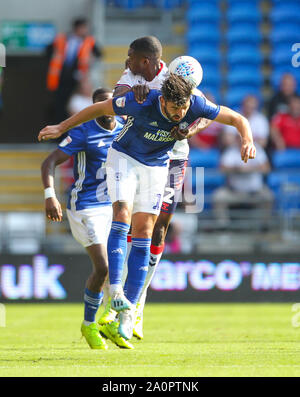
{"x":176,"y":89}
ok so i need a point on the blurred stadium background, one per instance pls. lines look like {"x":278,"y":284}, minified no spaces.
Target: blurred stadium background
{"x":244,"y":48}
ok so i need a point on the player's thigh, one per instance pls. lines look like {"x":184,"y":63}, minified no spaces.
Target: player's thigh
{"x":152,"y":181}
{"x":90,"y":226}
{"x":121,"y":177}
{"x":97,"y":222}
{"x":173,"y":188}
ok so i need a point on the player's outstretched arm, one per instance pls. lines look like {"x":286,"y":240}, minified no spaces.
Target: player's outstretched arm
{"x":52,"y":205}
{"x":235,"y":119}
{"x":89,"y":113}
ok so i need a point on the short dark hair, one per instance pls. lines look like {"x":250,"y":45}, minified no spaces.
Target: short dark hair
{"x":79,"y":22}
{"x":176,"y":89}
{"x":148,"y":46}
{"x":100,"y":91}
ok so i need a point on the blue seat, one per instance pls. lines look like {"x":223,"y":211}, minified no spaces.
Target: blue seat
{"x":247,"y":54}
{"x":285,"y":12}
{"x":205,"y":54}
{"x":244,"y":33}
{"x":130,"y":4}
{"x":235,"y":96}
{"x":204,"y":158}
{"x":281,"y":55}
{"x":285,"y":33}
{"x":289,"y":158}
{"x":286,"y":187}
{"x":247,"y":76}
{"x":243,"y":12}
{"x":166,"y":4}
{"x":203,"y":12}
{"x":233,"y":3}
{"x":211,"y":77}
{"x":203,"y":33}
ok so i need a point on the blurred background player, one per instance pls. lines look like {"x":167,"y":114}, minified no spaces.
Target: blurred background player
{"x":89,"y":207}
{"x":69,"y":63}
{"x":144,"y":171}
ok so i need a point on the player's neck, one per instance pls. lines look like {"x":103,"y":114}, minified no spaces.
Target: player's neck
{"x":106,"y":124}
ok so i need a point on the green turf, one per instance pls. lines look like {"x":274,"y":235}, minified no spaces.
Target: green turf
{"x":180,"y":340}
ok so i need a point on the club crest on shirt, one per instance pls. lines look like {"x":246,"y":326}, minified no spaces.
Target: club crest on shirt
{"x":65,"y":142}
{"x":183,"y":125}
{"x":120,"y":102}
{"x":118,"y":176}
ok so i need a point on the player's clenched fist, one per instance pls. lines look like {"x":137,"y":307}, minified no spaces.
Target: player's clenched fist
{"x":50,"y":132}
{"x":248,"y":151}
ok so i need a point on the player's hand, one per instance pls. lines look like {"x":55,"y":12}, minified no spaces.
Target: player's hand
{"x":179,"y":134}
{"x":140,"y":92}
{"x":50,"y":132}
{"x":53,"y":209}
{"x":248,"y":151}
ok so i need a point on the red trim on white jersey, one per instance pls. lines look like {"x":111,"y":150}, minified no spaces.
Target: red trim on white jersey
{"x":160,"y":68}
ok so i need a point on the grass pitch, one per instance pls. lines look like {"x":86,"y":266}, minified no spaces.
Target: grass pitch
{"x":179,"y":340}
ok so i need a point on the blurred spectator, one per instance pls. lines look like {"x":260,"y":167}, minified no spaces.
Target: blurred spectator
{"x":208,"y":138}
{"x":285,"y":127}
{"x":244,"y":185}
{"x":1,"y":81}
{"x":70,"y":59}
{"x":279,"y":101}
{"x":81,"y":98}
{"x":172,"y":242}
{"x":258,"y":122}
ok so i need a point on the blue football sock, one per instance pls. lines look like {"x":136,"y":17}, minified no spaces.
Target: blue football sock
{"x":116,"y":250}
{"x":138,"y":262}
{"x":92,"y":301}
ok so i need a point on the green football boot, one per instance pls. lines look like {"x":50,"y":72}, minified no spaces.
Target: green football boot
{"x":108,"y":315}
{"x":138,"y":327}
{"x":110,"y":331}
{"x":92,"y":336}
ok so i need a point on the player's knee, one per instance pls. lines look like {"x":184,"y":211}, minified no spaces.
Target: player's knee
{"x":100,"y":273}
{"x":121,"y":212}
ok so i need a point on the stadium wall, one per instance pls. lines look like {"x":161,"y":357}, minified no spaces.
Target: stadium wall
{"x":180,"y":278}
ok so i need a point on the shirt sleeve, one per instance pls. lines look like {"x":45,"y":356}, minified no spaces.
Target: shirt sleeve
{"x":127,"y":79}
{"x":202,"y":107}
{"x":127,"y":105}
{"x":74,"y":142}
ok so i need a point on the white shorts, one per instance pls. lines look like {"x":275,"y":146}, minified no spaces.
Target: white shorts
{"x":92,"y":225}
{"x":138,"y":184}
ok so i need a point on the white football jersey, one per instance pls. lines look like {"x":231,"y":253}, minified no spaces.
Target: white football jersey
{"x":128,"y":79}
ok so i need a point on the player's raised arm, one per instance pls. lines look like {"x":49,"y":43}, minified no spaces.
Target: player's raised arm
{"x":89,"y":113}
{"x":235,"y":119}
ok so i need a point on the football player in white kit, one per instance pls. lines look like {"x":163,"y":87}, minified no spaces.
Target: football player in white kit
{"x":147,"y":71}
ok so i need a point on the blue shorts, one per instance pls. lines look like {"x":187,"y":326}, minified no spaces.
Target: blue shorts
{"x":173,"y":188}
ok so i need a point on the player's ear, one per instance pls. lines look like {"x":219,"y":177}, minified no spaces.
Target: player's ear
{"x":145,"y":61}
{"x":162,"y":101}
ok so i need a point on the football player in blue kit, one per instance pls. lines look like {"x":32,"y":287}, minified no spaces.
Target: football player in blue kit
{"x":89,"y":208}
{"x":137,"y":173}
